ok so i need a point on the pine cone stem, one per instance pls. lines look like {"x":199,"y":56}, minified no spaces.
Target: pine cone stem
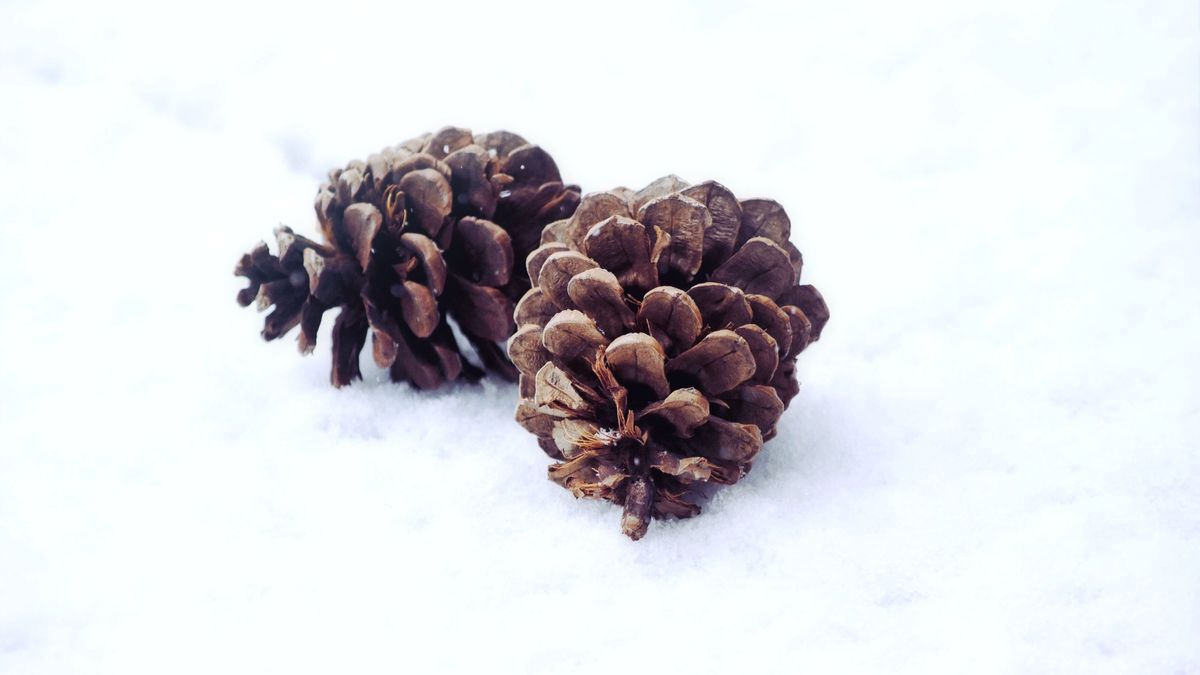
{"x":639,"y":500}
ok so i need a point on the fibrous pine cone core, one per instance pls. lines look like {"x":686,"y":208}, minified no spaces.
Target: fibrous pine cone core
{"x":657,"y":345}
{"x":429,"y":230}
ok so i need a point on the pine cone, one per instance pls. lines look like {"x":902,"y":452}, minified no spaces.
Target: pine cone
{"x":657,"y":347}
{"x":423,"y":231}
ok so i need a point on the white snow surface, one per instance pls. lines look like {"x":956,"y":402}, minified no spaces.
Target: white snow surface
{"x":991,"y":467}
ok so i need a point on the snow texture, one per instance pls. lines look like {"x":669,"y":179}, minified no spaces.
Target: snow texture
{"x":991,"y":467}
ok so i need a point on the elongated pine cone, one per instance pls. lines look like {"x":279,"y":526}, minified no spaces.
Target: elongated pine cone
{"x":434,"y":227}
{"x":658,"y":344}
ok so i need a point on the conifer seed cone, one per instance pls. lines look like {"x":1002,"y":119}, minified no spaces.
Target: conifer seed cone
{"x":658,"y":343}
{"x":435,"y":227}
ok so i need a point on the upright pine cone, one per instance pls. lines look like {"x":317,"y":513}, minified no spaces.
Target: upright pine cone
{"x":419,"y":232}
{"x":658,"y":345}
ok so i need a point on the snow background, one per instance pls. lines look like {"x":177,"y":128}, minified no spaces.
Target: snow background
{"x":991,"y":466}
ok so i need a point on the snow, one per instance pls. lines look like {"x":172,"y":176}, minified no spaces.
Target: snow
{"x":991,"y":466}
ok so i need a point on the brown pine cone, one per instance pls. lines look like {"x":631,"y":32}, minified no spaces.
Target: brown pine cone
{"x":421,"y":232}
{"x":658,"y":345}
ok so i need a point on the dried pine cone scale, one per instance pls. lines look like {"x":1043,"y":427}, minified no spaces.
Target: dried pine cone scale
{"x":433,"y":229}
{"x":280,"y":280}
{"x":657,"y":344}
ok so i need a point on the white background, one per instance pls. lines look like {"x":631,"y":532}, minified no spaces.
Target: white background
{"x":992,"y":465}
